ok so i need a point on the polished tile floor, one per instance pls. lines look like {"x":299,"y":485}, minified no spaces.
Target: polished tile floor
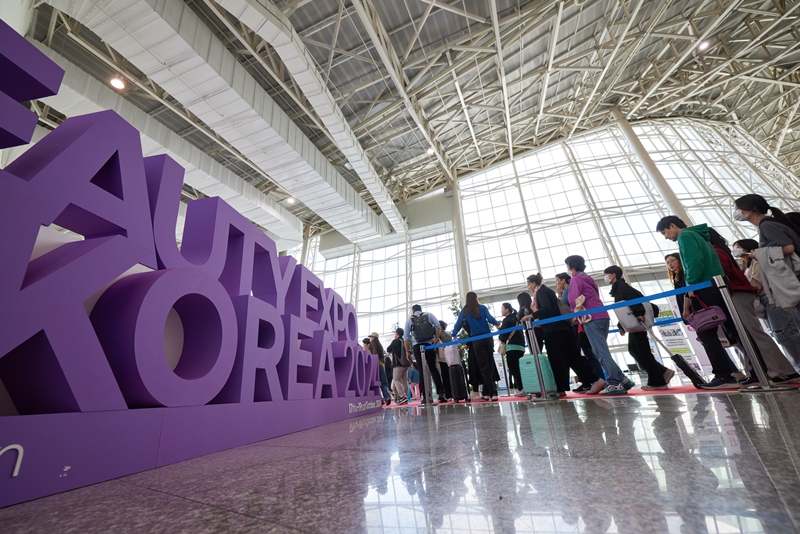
{"x":699,"y":463}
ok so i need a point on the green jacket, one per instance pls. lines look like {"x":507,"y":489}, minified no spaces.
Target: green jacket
{"x":700,"y":261}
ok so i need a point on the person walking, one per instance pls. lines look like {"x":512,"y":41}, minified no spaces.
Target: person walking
{"x":562,"y":348}
{"x":779,"y":320}
{"x":421,"y":330}
{"x":584,"y":295}
{"x":743,"y":294}
{"x":701,"y":264}
{"x":401,"y":362}
{"x":658,"y":376}
{"x":374,"y":346}
{"x":515,"y":348}
{"x":478,"y":317}
{"x":775,"y":231}
{"x":444,"y":371}
{"x":562,"y":291}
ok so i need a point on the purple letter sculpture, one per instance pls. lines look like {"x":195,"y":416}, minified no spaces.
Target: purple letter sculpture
{"x":263,"y":348}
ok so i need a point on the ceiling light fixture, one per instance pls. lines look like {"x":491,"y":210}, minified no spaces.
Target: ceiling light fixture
{"x":790,"y":130}
{"x":290,"y":200}
{"x":117,"y":83}
{"x":703,"y":46}
{"x":430,"y":151}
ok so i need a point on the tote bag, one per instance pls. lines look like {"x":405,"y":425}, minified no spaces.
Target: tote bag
{"x":628,"y":321}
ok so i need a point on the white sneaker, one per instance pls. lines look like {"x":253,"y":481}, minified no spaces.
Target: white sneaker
{"x":494,"y":397}
{"x":520,"y":393}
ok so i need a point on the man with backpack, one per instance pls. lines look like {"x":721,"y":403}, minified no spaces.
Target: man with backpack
{"x":400,"y":364}
{"x":422,"y":329}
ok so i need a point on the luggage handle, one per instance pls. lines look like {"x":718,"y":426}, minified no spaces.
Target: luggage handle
{"x":535,"y":352}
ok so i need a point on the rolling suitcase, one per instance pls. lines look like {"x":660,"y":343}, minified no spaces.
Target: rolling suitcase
{"x":530,"y":381}
{"x":690,"y":372}
{"x":458,"y":383}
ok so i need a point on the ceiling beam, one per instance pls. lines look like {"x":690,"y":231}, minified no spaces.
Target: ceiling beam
{"x":383,"y":45}
{"x":552,"y":52}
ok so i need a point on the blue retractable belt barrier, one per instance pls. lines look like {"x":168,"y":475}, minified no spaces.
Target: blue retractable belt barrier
{"x":616,"y":305}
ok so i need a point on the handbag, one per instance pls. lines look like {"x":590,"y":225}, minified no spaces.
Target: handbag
{"x":706,"y":319}
{"x":630,"y":323}
{"x":501,"y":348}
{"x":579,"y":306}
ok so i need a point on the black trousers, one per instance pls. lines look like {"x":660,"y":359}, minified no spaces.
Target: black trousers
{"x":473,"y":370}
{"x":432,"y":358}
{"x":720,"y":363}
{"x":444,"y":371}
{"x":512,"y":357}
{"x":563,"y":353}
{"x":639,"y":347}
{"x":484,"y":353}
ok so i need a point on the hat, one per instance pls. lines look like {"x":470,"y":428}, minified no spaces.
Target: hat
{"x":374,"y":334}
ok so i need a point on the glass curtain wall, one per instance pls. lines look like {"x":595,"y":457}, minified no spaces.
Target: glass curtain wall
{"x":586,"y":196}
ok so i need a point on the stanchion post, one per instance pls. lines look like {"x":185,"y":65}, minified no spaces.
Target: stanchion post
{"x":767,"y":386}
{"x":427,"y":378}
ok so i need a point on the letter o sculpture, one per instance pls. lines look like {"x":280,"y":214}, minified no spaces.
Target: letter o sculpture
{"x":129,"y":319}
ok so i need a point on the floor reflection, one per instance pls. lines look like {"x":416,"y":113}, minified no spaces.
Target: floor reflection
{"x":684,"y":464}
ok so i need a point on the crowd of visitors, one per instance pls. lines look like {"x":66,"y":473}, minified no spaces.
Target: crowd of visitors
{"x":763,"y":278}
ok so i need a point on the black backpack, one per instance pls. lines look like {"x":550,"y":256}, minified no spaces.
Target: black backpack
{"x":421,"y":327}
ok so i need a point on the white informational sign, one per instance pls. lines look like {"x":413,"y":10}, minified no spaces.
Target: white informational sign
{"x":700,"y":358}
{"x":498,"y":361}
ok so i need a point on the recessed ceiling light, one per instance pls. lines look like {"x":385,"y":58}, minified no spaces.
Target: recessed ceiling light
{"x":117,"y":83}
{"x":290,"y":200}
{"x":790,"y":130}
{"x":430,"y":151}
{"x":703,"y":46}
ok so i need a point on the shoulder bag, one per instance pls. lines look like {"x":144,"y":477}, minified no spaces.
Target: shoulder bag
{"x":709,"y":317}
{"x":501,"y":348}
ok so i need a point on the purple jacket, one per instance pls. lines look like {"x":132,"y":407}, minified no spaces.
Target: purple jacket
{"x":583,"y":284}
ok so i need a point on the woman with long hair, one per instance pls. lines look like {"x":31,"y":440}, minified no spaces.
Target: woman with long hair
{"x":515,"y":347}
{"x":743,"y":294}
{"x":562,"y":348}
{"x":777,"y":230}
{"x":374,"y":346}
{"x":477,"y":316}
{"x":779,"y":320}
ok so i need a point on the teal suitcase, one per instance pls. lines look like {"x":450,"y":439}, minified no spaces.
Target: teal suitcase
{"x":530,"y":380}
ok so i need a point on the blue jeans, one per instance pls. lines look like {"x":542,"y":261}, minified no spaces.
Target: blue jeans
{"x":597,"y":332}
{"x":385,"y":385}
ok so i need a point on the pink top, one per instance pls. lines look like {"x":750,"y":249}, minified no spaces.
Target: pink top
{"x":583,"y":284}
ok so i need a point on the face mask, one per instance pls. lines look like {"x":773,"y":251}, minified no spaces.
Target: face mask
{"x":737,"y":252}
{"x":739,"y":215}
{"x":607,"y":278}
